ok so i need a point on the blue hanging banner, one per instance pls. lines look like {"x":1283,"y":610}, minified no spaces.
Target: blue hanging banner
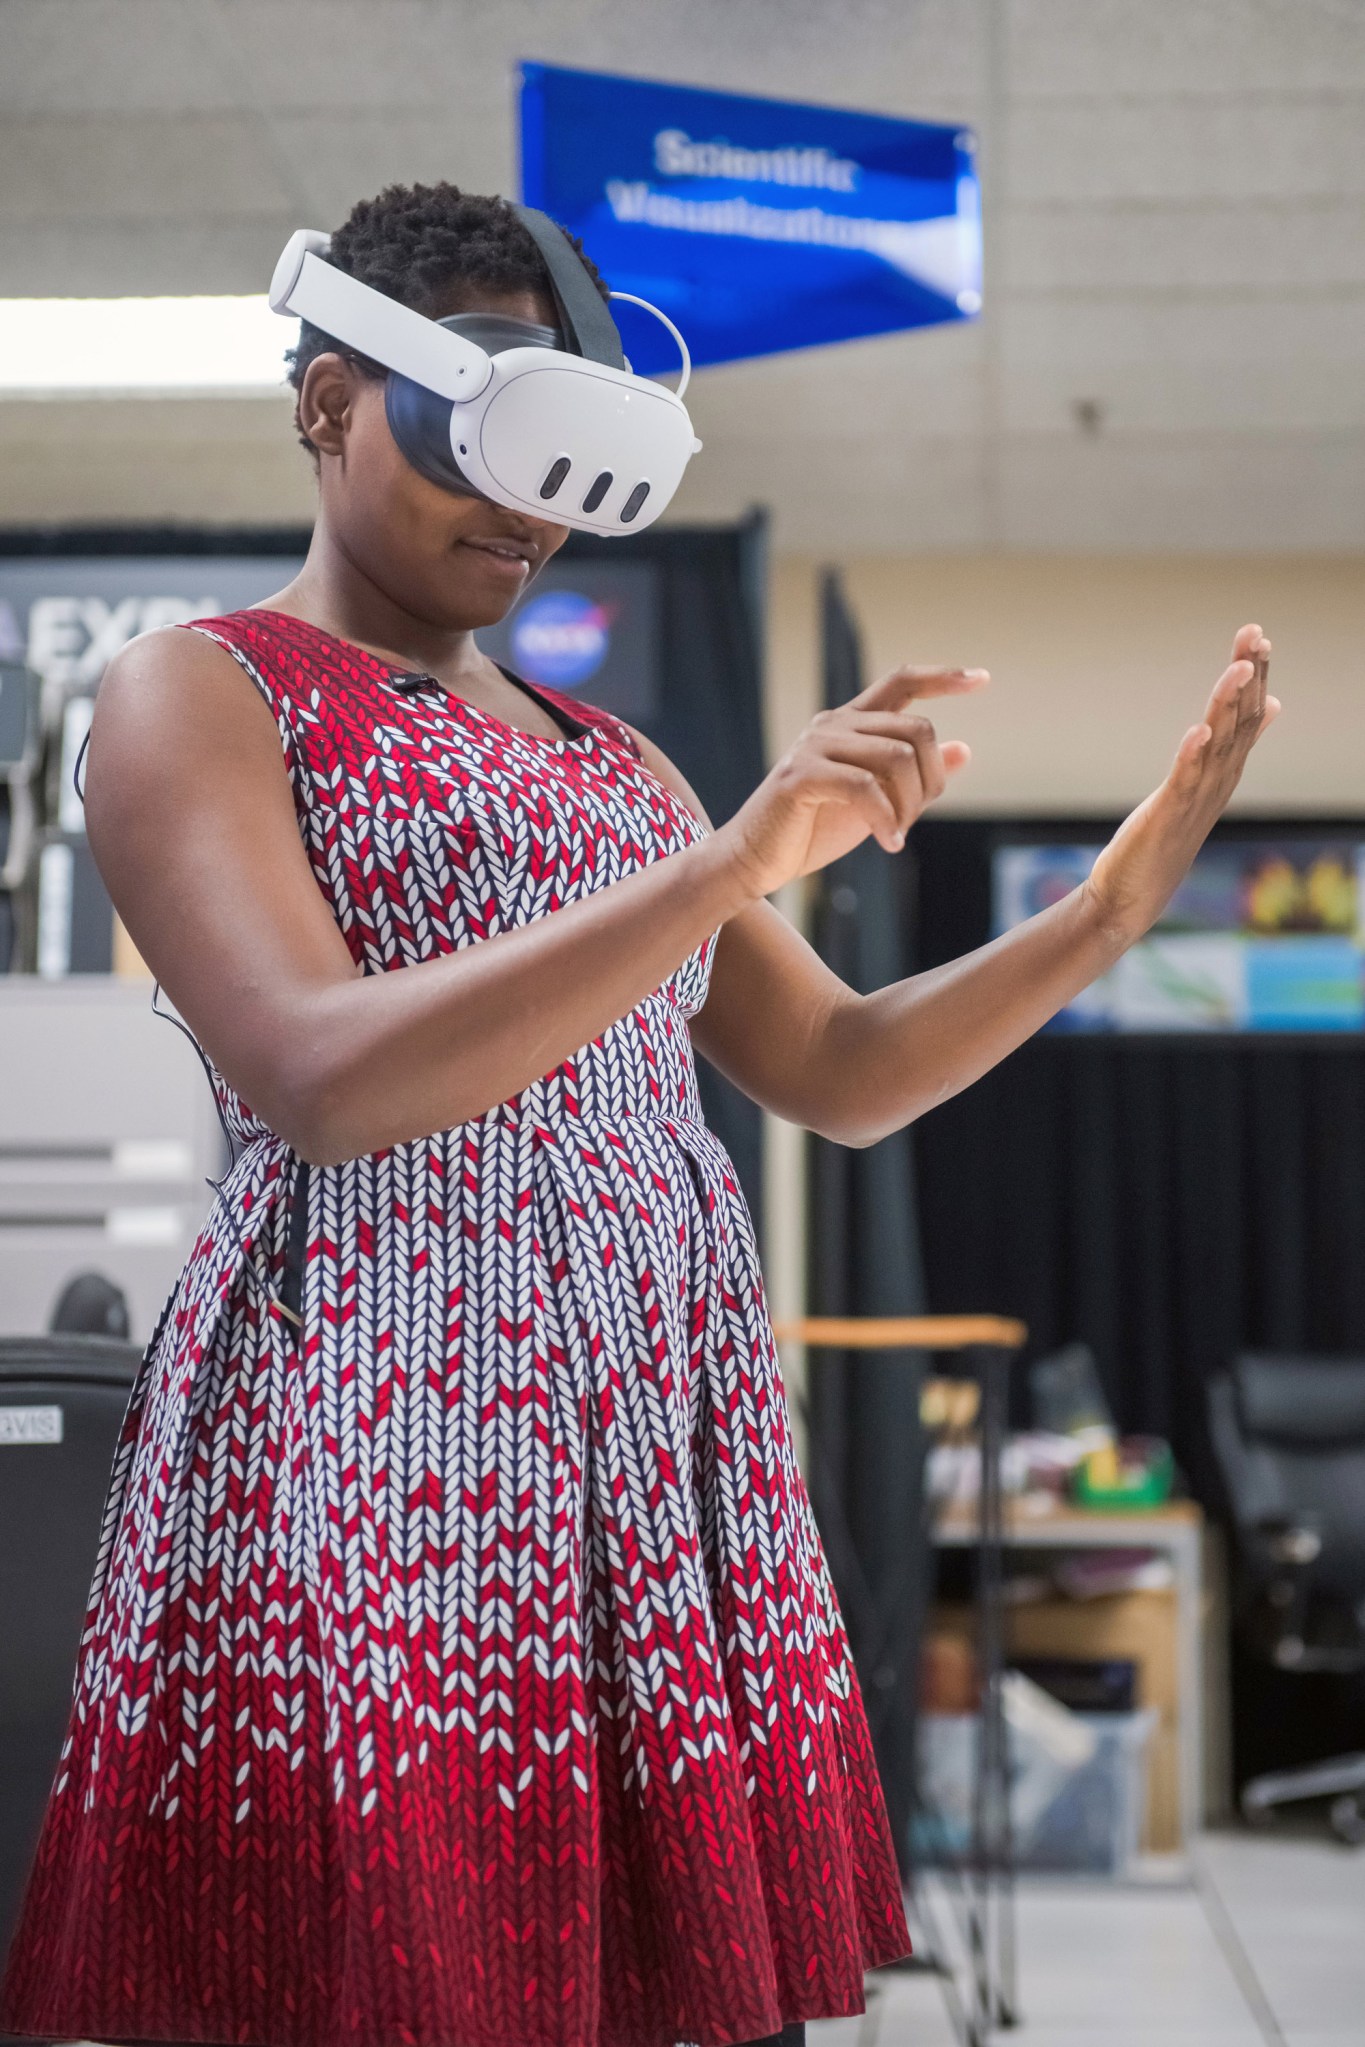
{"x":757,"y":225}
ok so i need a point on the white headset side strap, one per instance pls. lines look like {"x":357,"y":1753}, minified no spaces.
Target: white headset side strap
{"x":685,"y":352}
{"x":391,"y":334}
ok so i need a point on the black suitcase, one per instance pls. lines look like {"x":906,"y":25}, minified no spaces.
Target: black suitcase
{"x":62,"y":1403}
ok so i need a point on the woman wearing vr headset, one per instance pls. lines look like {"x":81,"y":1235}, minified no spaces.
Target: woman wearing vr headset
{"x":462,"y":1669}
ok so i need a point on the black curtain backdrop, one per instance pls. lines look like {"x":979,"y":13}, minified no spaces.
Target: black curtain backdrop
{"x":710,"y":715}
{"x":866,"y":1456}
{"x":710,"y":720}
{"x":1167,"y":1200}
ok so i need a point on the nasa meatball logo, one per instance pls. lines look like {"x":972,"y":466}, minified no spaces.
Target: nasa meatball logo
{"x":561,"y":638}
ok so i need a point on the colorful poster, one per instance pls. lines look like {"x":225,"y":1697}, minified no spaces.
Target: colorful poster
{"x":1263,"y":935}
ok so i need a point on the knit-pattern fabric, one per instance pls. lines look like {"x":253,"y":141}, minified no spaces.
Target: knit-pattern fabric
{"x":462,"y":1668}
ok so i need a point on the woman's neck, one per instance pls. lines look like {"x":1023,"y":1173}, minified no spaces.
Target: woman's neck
{"x":333,"y":592}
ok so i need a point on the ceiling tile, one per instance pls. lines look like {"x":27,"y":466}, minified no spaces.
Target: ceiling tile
{"x":926,"y":382}
{"x":1181,"y":397}
{"x":878,"y":494}
{"x":1162,"y":246}
{"x":138,"y":168}
{"x":336,"y":162}
{"x":1191,"y":149}
{"x":1192,"y":327}
{"x":122,"y":258}
{"x":197,"y":460}
{"x":129,"y":56}
{"x":1057,"y":48}
{"x":432,"y":53}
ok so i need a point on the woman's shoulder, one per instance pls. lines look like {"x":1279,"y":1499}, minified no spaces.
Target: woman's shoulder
{"x":177,"y":691}
{"x":172,"y":709}
{"x":158,"y":662}
{"x":670,"y":774}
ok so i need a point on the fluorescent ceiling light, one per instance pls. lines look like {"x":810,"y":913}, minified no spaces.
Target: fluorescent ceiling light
{"x":147,"y":347}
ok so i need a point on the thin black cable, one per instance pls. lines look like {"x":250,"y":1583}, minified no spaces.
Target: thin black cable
{"x":288,"y":1309}
{"x":76,"y":782}
{"x":168,"y":1016}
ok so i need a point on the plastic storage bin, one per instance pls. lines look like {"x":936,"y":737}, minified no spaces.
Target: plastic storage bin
{"x":1094,"y":1824}
{"x":1083,"y":1817}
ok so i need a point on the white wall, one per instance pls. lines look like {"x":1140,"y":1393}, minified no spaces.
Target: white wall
{"x":1099,"y":665}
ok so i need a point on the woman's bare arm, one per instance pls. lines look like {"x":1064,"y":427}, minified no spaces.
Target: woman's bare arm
{"x":804,"y":1045}
{"x":856,"y":1067}
{"x":794,"y":1037}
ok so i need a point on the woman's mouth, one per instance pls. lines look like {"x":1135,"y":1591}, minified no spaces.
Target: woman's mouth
{"x":514,"y":557}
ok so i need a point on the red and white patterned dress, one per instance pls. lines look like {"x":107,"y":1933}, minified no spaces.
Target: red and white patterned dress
{"x":462,"y":1668}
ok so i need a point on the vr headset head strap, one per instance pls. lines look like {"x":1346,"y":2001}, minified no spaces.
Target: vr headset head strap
{"x":309,"y":287}
{"x":587,"y":324}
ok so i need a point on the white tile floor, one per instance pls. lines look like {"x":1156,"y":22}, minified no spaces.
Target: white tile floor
{"x":1265,"y":1949}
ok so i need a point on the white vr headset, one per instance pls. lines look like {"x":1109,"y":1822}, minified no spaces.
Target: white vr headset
{"x":550,"y":421}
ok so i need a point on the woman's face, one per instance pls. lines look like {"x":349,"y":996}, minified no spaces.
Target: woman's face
{"x":456,"y":563}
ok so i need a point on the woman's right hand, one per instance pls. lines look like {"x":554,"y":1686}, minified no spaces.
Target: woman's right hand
{"x":868,"y":769}
{"x":1151,"y":853}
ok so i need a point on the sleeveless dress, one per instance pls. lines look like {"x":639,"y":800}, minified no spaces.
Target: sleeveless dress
{"x":462,"y":1668}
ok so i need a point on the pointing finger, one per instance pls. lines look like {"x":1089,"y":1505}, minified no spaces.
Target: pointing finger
{"x":903,"y":684}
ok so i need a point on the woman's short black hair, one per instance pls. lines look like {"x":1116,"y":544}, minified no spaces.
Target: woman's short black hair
{"x":414,"y":242}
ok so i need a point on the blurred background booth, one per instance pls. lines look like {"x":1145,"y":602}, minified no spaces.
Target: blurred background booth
{"x":1035,"y":328}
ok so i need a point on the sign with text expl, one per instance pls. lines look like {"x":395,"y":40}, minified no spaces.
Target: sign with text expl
{"x":757,"y":225}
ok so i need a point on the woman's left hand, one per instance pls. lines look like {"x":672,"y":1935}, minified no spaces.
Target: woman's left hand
{"x":1149,"y":856}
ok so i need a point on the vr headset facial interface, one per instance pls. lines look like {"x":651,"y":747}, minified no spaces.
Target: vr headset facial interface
{"x":550,"y":421}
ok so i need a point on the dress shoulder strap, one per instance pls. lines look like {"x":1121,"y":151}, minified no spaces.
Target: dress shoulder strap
{"x":284,"y":656}
{"x":587,"y":715}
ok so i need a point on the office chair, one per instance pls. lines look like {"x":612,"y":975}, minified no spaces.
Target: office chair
{"x":62,"y":1402}
{"x":1289,"y":1437}
{"x":91,"y":1305}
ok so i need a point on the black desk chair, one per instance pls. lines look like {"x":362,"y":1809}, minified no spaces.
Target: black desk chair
{"x":1289,"y":1436}
{"x":62,"y":1402}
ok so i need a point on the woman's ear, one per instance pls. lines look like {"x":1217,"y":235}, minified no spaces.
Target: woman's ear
{"x":325,"y":402}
